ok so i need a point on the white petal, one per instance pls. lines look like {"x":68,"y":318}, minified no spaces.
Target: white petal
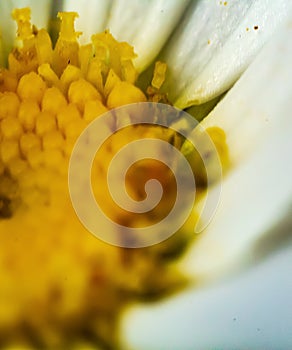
{"x":40,"y":10}
{"x":252,"y":311}
{"x":256,"y":116}
{"x":215,"y":44}
{"x":92,"y":16}
{"x":145,"y":24}
{"x":256,"y":197}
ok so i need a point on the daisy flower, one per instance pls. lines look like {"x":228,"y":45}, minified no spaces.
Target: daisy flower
{"x":61,"y":286}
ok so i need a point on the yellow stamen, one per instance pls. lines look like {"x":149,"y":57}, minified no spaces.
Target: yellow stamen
{"x":22,"y":18}
{"x":66,"y":115}
{"x":131,"y":94}
{"x":33,"y":49}
{"x":8,"y":150}
{"x":53,"y":100}
{"x":80,"y":92}
{"x":159,"y":75}
{"x":27,"y":113}
{"x":93,"y":109}
{"x":31,"y":87}
{"x":28,"y":142}
{"x":67,"y":30}
{"x":49,"y":76}
{"x":9,"y":104}
{"x":67,"y":47}
{"x":11,"y":128}
{"x":45,"y":122}
{"x":47,"y":98}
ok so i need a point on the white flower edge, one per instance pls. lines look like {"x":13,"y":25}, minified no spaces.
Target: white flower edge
{"x":249,"y":312}
{"x":134,"y":21}
{"x":256,"y":195}
{"x":145,"y":24}
{"x":256,"y":117}
{"x":215,"y":44}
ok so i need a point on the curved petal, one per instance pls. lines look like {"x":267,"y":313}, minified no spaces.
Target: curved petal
{"x":256,"y":117}
{"x":145,"y":24}
{"x":214,"y":45}
{"x":252,"y":311}
{"x":256,"y":201}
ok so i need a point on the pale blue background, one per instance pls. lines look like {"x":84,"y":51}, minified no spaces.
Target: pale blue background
{"x":250,"y":311}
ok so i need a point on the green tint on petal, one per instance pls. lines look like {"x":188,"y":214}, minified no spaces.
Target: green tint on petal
{"x":257,"y":193}
{"x":254,"y":210}
{"x":2,"y":54}
{"x":214,"y":45}
{"x":7,"y":30}
{"x":199,"y":112}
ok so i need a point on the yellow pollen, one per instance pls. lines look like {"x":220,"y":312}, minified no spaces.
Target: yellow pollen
{"x":66,"y":115}
{"x":11,"y":128}
{"x":159,"y":75}
{"x":22,"y":18}
{"x":57,"y":280}
{"x":45,"y":122}
{"x":9,"y":104}
{"x":8,"y":150}
{"x":131,"y":94}
{"x":53,"y":100}
{"x":28,"y":142}
{"x":27,"y":113}
{"x":80,"y":92}
{"x":32,"y":87}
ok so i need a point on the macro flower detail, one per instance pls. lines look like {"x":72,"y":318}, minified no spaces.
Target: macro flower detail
{"x":60,"y":286}
{"x":49,"y":94}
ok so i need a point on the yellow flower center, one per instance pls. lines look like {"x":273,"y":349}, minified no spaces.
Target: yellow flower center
{"x":57,"y":280}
